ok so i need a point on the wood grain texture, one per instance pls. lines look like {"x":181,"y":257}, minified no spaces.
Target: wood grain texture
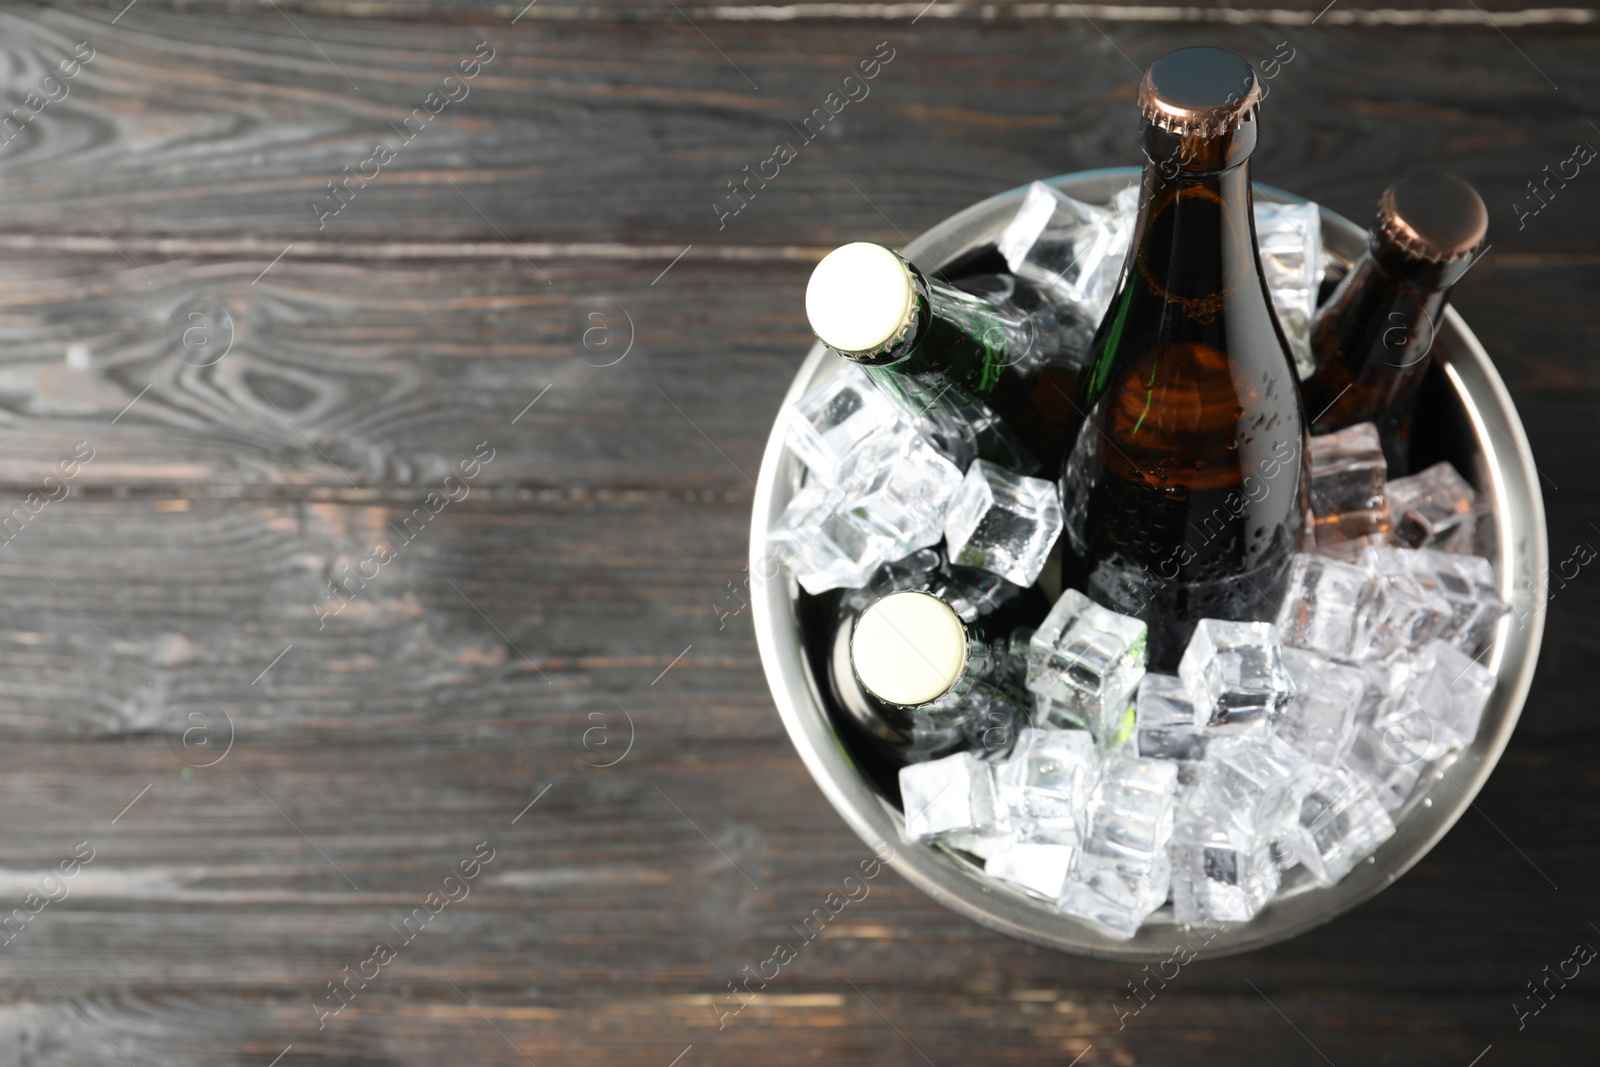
{"x":350,"y":377}
{"x":991,"y":11}
{"x":586,"y":592}
{"x":630,"y":134}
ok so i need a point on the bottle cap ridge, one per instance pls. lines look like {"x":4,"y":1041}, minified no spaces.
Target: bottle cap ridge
{"x":860,"y":298}
{"x":1434,"y":217}
{"x":908,"y":648}
{"x":1199,"y":91}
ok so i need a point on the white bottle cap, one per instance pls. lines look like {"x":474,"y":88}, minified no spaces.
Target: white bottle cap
{"x":859,"y":297}
{"x":908,"y":648}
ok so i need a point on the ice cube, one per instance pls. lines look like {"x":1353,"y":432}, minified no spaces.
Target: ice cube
{"x":1322,"y":606}
{"x":1071,"y":249}
{"x":1347,"y":471}
{"x":1436,"y":508}
{"x":1385,"y":685}
{"x":1341,"y":823}
{"x":1116,"y":895}
{"x":982,"y":844}
{"x":1289,"y":237}
{"x":1129,"y":815}
{"x":1165,"y":720}
{"x":1259,"y":781}
{"x":1114,"y":733}
{"x":901,"y":487}
{"x":830,"y":422}
{"x":1480,"y":573}
{"x":888,"y":499}
{"x":1401,"y":613}
{"x":1319,"y":720}
{"x":1052,"y":715}
{"x":1467,"y":584}
{"x":1189,"y":774}
{"x":1234,"y":674}
{"x":1002,"y":522}
{"x":953,"y":795}
{"x":1122,"y":872}
{"x":1087,"y":660}
{"x":1221,"y":871}
{"x":1384,"y":751}
{"x":1349,"y":498}
{"x":1125,"y":205}
{"x":1118,"y":736}
{"x":1043,"y":788}
{"x":1379,"y":755}
{"x":1442,"y":705}
{"x":1036,"y":866}
{"x":825,"y":548}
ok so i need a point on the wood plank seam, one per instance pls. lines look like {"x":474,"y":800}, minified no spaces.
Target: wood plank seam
{"x":396,"y":251}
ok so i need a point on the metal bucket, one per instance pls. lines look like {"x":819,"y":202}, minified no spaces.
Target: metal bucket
{"x":1469,"y":420}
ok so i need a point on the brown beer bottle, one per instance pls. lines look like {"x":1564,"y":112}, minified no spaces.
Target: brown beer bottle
{"x":1373,"y":340}
{"x":1183,"y":484}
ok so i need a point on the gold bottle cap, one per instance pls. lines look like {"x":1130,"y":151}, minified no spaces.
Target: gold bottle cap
{"x":1433,"y":217}
{"x":1199,"y":92}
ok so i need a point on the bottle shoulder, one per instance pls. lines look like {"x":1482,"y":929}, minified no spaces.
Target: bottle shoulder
{"x":1237,"y":366}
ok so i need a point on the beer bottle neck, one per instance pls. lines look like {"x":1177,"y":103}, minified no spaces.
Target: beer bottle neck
{"x":1194,"y":239}
{"x":1422,"y":274}
{"x":1174,"y":154}
{"x":965,"y":339}
{"x":871,"y":306}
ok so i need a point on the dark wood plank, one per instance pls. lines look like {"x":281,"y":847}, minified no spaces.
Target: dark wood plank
{"x":347,"y":377}
{"x":124,"y":609}
{"x":943,"y":11}
{"x":202,"y":890}
{"x":629,"y":132}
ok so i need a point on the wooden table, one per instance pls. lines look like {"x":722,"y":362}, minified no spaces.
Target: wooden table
{"x":513,"y":394}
